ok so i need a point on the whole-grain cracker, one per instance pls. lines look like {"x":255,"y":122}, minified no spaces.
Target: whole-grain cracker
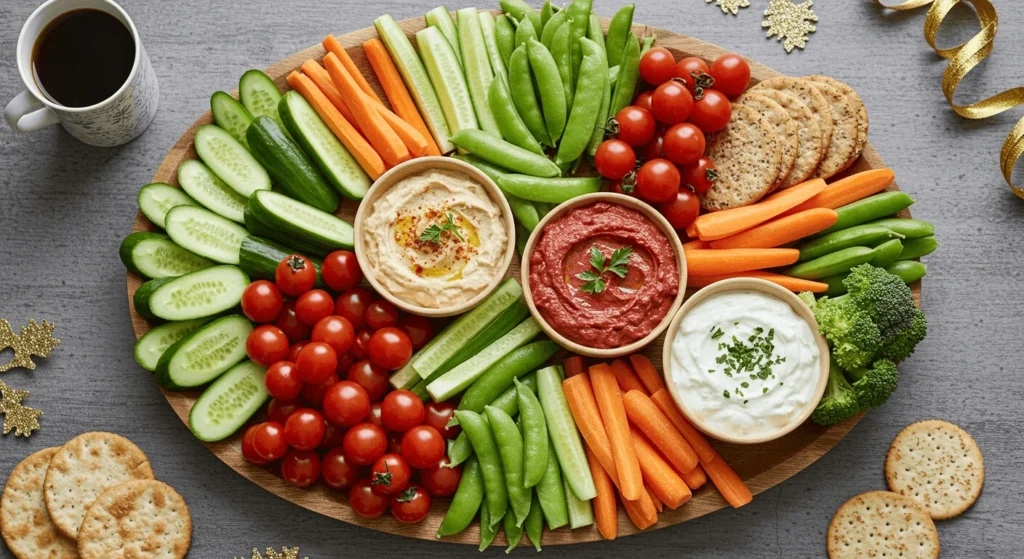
{"x":746,"y":154}
{"x":882,"y":524}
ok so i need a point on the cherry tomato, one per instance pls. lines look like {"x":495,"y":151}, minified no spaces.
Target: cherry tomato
{"x":361,"y":345}
{"x":335,"y":331}
{"x":643,"y":100}
{"x":340,"y":270}
{"x":439,"y":480}
{"x":402,"y":410}
{"x":418,"y":328}
{"x":268,"y":441}
{"x":314,"y":394}
{"x":337,"y":471}
{"x":295,"y":275}
{"x":687,"y":67}
{"x":352,"y":304}
{"x":373,"y":378}
{"x":290,"y":325}
{"x":375,"y":415}
{"x":282,"y":381}
{"x":390,"y":348}
{"x":438,"y":416}
{"x":636,"y":125}
{"x":657,"y":181}
{"x":346,"y":404}
{"x":410,"y":506}
{"x":301,"y":468}
{"x":681,"y":210}
{"x":248,"y":448}
{"x":672,"y":102}
{"x":731,"y":74}
{"x":345,"y":361}
{"x":262,"y":301}
{"x":293,"y":353}
{"x":395,"y":443}
{"x":365,"y":501}
{"x":626,"y":186}
{"x":364,"y":443}
{"x":390,"y":474}
{"x":614,"y":158}
{"x":684,"y":143}
{"x":422,"y":446}
{"x":267,"y":344}
{"x":380,"y":314}
{"x":657,"y":66}
{"x":304,"y":429}
{"x":279,"y":410}
{"x":656,"y":147}
{"x":317,"y":362}
{"x":712,"y":111}
{"x":333,"y":436}
{"x":699,"y":175}
{"x":313,"y":305}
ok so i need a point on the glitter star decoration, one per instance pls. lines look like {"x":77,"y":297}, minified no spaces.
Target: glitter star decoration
{"x":17,"y":417}
{"x":730,"y":6}
{"x":271,"y":553}
{"x":790,"y":22}
{"x":33,"y":339}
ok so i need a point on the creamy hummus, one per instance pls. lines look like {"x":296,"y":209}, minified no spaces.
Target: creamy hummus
{"x":435,"y":239}
{"x":745,"y":364}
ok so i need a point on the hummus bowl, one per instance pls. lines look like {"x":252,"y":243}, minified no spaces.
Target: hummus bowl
{"x":606,"y":312}
{"x":434,"y":236}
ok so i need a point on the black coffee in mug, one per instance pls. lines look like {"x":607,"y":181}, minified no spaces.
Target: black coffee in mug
{"x":83,"y":57}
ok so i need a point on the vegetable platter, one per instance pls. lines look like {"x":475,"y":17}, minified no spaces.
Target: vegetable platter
{"x":760,"y":466}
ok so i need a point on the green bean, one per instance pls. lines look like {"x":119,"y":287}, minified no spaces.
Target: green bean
{"x":535,"y":436}
{"x":466,"y":501}
{"x":505,"y":36}
{"x":583,"y":118}
{"x":510,"y":448}
{"x":535,"y":524}
{"x":579,"y":13}
{"x":553,"y":190}
{"x":518,"y":9}
{"x":513,"y":531}
{"x":549,"y":85}
{"x":486,"y":449}
{"x":869,"y":234}
{"x":546,"y":11}
{"x":887,"y":253}
{"x":869,"y":209}
{"x":563,"y":59}
{"x":504,"y":154}
{"x":916,"y":248}
{"x":525,"y":32}
{"x":647,"y":43}
{"x":552,"y":26}
{"x":551,"y":494}
{"x":487,"y":531}
{"x":490,"y":386}
{"x":520,"y":84}
{"x":908,"y":270}
{"x":596,"y":34}
{"x":909,"y":228}
{"x":629,"y":72}
{"x":832,"y":264}
{"x":618,"y":30}
{"x":508,"y":402}
{"x":510,"y":125}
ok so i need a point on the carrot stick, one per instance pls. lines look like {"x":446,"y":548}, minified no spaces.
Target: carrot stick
{"x":605,"y":509}
{"x":574,"y":365}
{"x":381,"y":136}
{"x":645,"y":415}
{"x":647,"y":373}
{"x":696,"y":244}
{"x":398,"y":95}
{"x":694,"y":437}
{"x":728,"y":261}
{"x":795,"y":285}
{"x":695,"y":478}
{"x":322,"y":79}
{"x":658,"y":474}
{"x":641,"y":511}
{"x":613,"y":414}
{"x":727,"y":482}
{"x":626,"y":378}
{"x":782,"y":230}
{"x":846,"y":190}
{"x":583,"y":405}
{"x":410,"y":136}
{"x":691,"y":230}
{"x":368,"y":159}
{"x":332,"y":45}
{"x":658,"y":505}
{"x":719,"y":225}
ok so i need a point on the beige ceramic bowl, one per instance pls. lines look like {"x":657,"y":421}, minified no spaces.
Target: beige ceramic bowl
{"x":627,"y":202}
{"x":747,"y":284}
{"x":416,"y":167}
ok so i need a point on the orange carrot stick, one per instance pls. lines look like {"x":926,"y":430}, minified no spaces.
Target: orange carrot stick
{"x":728,"y":483}
{"x":658,"y":474}
{"x":658,"y":505}
{"x":782,"y":230}
{"x":613,"y":414}
{"x":322,"y":80}
{"x":626,"y":378}
{"x":398,"y":95}
{"x":574,"y":365}
{"x":410,"y":136}
{"x":580,"y":396}
{"x":795,"y":285}
{"x":694,"y":437}
{"x":332,"y":45}
{"x":368,"y":159}
{"x":647,"y":373}
{"x":695,"y":478}
{"x":641,"y":511}
{"x":727,"y":261}
{"x":645,"y":415}
{"x":719,"y":225}
{"x":696,"y":244}
{"x":691,"y":230}
{"x":605,"y":509}
{"x":846,"y":190}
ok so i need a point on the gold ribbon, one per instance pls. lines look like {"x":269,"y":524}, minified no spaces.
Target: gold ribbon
{"x":964,"y":57}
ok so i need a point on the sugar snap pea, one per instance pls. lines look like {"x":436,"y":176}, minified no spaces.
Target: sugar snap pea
{"x":869,"y":209}
{"x":525,"y":32}
{"x":466,"y":501}
{"x":563,"y":58}
{"x":596,"y":33}
{"x":887,"y":253}
{"x":551,"y":493}
{"x":908,"y":270}
{"x":868,"y":234}
{"x":504,"y":154}
{"x":510,"y":448}
{"x":535,"y":436}
{"x":909,"y":228}
{"x":618,"y":30}
{"x":496,"y":380}
{"x":546,"y":11}
{"x":505,"y":37}
{"x":553,"y":190}
{"x":520,"y":84}
{"x":583,"y":118}
{"x":486,"y":449}
{"x":510,"y":125}
{"x":552,"y":26}
{"x":523,"y":210}
{"x":513,"y":531}
{"x":597,"y":135}
{"x":549,"y":85}
{"x":487,"y":530}
{"x":832,"y":264}
{"x":916,"y":248}
{"x":508,"y":402}
{"x":520,"y":9}
{"x":534,"y":524}
{"x":579,"y":13}
{"x":629,"y":72}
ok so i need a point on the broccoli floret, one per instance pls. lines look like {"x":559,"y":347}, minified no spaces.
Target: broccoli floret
{"x":900,"y":346}
{"x":839,"y":401}
{"x":873,"y":386}
{"x":849,"y":329}
{"x":884,"y":296}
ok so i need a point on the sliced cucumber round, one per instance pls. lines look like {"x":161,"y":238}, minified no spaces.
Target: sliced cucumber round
{"x":198,"y":294}
{"x":206,"y":233}
{"x":152,"y":345}
{"x":230,"y":160}
{"x":206,"y":188}
{"x":229,"y":402}
{"x":155,"y":255}
{"x":204,"y":354}
{"x":156,"y":199}
{"x":230,"y":115}
{"x":301,"y":220}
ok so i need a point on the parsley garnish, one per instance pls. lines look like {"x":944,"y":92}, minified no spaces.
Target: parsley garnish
{"x":753,"y":357}
{"x":433,"y":233}
{"x":617,"y":264}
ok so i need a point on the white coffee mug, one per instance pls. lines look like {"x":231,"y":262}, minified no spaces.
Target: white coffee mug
{"x":114,"y":121}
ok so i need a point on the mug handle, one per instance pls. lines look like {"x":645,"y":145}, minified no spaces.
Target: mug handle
{"x":24,"y":115}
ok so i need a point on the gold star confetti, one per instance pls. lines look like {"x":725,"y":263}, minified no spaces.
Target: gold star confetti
{"x":16,"y":416}
{"x":271,"y":553}
{"x":33,"y":339}
{"x":790,"y":22}
{"x":730,"y":6}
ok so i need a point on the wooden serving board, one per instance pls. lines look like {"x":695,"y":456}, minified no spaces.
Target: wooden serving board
{"x":761,"y":466}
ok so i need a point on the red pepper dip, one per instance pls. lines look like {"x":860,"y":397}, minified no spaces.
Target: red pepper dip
{"x":615,"y":311}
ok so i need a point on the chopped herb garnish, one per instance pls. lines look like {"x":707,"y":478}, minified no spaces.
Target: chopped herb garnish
{"x":715,"y":334}
{"x":752,"y":357}
{"x":725,"y":393}
{"x":618,"y":264}
{"x":433,"y":233}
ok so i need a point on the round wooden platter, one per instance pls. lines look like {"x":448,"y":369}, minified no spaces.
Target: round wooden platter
{"x":761,"y":466}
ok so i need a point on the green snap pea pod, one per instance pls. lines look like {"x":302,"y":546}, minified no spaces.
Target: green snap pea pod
{"x":466,"y":501}
{"x":909,"y":228}
{"x":520,"y":9}
{"x":597,"y":136}
{"x":487,"y":531}
{"x":832,"y":264}
{"x":505,"y":36}
{"x":916,"y":248}
{"x":513,"y":531}
{"x":908,"y":270}
{"x":510,"y":448}
{"x":493,"y":383}
{"x":553,"y":190}
{"x":629,"y":72}
{"x":551,"y":493}
{"x":522,"y":236}
{"x":520,"y":84}
{"x":549,"y":85}
{"x":525,"y":32}
{"x":647,"y":43}
{"x":583,"y":118}
{"x":486,"y":449}
{"x":523,"y":210}
{"x":535,"y":436}
{"x":869,"y":234}
{"x":835,"y":285}
{"x":869,"y":209}
{"x":596,"y":34}
{"x":546,"y":11}
{"x":534,"y":524}
{"x":508,"y":402}
{"x":504,"y":154}
{"x":544,"y":208}
{"x":887,"y":253}
{"x":613,"y":75}
{"x":618,"y":30}
{"x":552,"y":26}
{"x":579,"y":14}
{"x":510,"y":125}
{"x":563,"y":58}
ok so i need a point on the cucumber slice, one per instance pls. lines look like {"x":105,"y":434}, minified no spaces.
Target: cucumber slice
{"x":446,"y":76}
{"x":441,"y":18}
{"x":206,"y":188}
{"x":198,"y":294}
{"x":293,"y":173}
{"x":152,"y":345}
{"x":301,"y":220}
{"x":228,"y":403}
{"x":206,"y":233}
{"x":204,"y":354}
{"x":260,"y":95}
{"x":259,"y":258}
{"x":564,"y":436}
{"x":323,"y":147}
{"x":230,"y":115}
{"x":416,"y":79}
{"x":581,"y":512}
{"x":157,"y":198}
{"x":260,"y":229}
{"x":488,"y":25}
{"x":154,"y":255}
{"x":476,"y":61}
{"x":230,"y":160}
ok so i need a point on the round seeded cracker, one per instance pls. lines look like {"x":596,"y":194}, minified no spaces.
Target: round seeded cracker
{"x":746,"y":154}
{"x":858,"y":106}
{"x":24,"y":523}
{"x":785,"y":127}
{"x":809,"y":140}
{"x":842,"y":146}
{"x":804,"y":91}
{"x":143,"y":518}
{"x":882,"y":524}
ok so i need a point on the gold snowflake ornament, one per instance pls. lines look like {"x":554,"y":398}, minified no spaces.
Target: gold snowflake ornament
{"x":730,"y":6}
{"x":271,"y":553}
{"x":16,"y":416}
{"x":790,"y":22}
{"x":33,"y":339}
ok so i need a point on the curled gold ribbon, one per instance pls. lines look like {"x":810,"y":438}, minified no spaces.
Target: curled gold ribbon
{"x":962,"y":58}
